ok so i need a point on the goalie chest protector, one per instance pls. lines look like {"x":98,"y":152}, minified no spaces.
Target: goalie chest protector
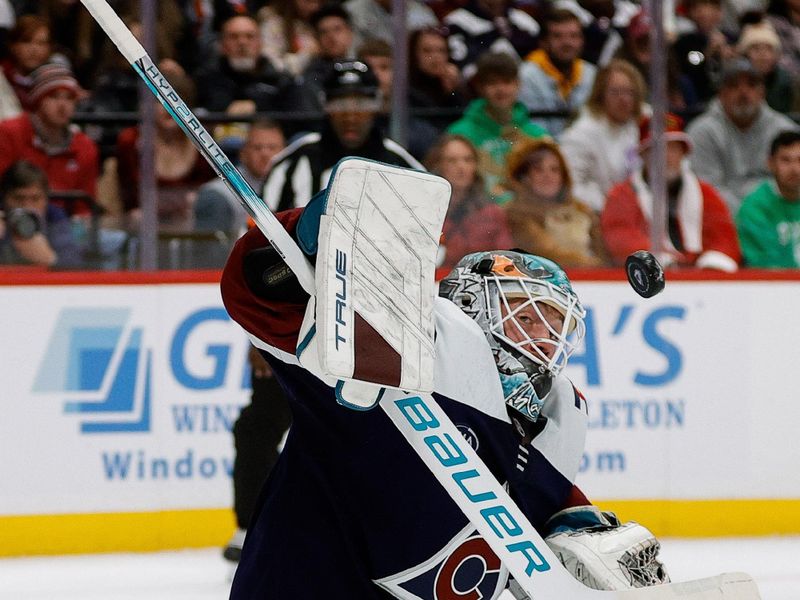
{"x":350,"y":511}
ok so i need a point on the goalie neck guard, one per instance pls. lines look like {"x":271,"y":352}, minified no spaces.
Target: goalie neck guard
{"x":498,"y":290}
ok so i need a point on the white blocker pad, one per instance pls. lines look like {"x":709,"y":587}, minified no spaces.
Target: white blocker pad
{"x":378,"y":241}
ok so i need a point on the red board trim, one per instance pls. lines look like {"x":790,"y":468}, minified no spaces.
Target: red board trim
{"x":33,"y":276}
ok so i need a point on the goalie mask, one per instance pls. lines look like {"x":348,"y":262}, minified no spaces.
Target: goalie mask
{"x":530,"y":314}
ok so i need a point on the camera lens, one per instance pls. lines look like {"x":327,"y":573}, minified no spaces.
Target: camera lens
{"x":23,"y":223}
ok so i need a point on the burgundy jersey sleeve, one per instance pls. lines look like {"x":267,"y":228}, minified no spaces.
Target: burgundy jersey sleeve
{"x":277,"y":323}
{"x":576,"y":498}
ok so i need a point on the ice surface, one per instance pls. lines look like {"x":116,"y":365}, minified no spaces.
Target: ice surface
{"x":774,"y":562}
{"x":204,"y":575}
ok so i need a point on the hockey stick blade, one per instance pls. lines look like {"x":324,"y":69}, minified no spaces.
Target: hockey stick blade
{"x":727,"y":586}
{"x":253,"y":204}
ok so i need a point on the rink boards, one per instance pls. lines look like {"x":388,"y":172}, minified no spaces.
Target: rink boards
{"x":119,"y":393}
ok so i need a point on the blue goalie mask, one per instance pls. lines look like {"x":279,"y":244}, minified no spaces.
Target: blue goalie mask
{"x":530,"y":314}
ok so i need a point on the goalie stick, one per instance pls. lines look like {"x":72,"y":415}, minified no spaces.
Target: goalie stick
{"x":421,"y":421}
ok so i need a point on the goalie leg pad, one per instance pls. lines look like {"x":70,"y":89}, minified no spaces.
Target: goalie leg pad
{"x":610,"y":558}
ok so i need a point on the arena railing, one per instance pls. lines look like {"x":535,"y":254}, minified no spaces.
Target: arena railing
{"x":447,"y":115}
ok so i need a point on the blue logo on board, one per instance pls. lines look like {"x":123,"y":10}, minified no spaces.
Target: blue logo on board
{"x":96,"y":360}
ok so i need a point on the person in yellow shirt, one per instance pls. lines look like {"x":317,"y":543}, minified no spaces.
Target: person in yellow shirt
{"x":555,"y":77}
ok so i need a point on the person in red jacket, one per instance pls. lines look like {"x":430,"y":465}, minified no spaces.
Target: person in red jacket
{"x":180,"y":168}
{"x":46,"y":137}
{"x":699,"y":231}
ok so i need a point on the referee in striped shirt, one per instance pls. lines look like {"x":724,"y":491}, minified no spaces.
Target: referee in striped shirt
{"x":352,"y":102}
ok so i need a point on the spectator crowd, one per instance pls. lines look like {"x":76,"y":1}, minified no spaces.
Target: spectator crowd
{"x":537,"y":113}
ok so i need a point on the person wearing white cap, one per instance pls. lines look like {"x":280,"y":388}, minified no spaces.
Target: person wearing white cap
{"x":759,"y":43}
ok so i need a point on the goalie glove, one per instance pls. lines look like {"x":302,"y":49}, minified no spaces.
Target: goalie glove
{"x":603,"y":554}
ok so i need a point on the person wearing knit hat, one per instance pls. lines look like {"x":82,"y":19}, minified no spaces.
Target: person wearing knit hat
{"x":758,"y":33}
{"x":51,"y":78}
{"x":46,"y":136}
{"x":699,"y":231}
{"x":760,"y":44}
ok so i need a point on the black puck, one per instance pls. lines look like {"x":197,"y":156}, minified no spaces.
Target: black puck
{"x":644,"y":274}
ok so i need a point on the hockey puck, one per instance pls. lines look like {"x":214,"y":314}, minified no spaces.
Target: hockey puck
{"x":644,"y":274}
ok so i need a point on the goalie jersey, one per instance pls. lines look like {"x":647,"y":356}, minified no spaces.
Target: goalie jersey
{"x":350,"y":511}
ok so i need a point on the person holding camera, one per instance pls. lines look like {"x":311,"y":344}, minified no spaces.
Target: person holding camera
{"x":46,"y":136}
{"x":33,"y":231}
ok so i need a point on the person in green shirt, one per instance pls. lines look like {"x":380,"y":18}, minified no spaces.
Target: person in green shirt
{"x":768,"y":221}
{"x":497,"y":119}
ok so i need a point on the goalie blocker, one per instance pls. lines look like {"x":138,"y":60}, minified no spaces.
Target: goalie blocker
{"x":375,"y":233}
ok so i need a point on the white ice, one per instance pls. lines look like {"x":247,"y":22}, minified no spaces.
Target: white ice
{"x":774,"y":562}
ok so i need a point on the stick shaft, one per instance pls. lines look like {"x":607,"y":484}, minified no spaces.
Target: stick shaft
{"x":468,"y":481}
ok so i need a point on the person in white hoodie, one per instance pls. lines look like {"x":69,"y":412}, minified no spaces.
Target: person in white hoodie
{"x":731,"y":139}
{"x":9,"y":103}
{"x":601,"y":146}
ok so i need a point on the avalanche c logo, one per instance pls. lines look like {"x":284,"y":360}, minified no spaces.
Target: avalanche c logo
{"x":469,"y":572}
{"x":465,"y":569}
